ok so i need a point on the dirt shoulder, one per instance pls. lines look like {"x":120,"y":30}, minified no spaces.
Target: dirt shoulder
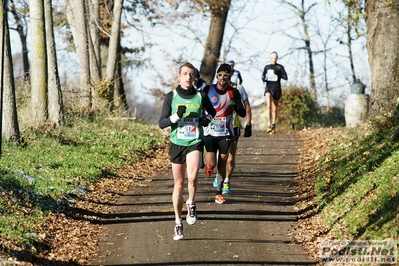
{"x":253,"y":228}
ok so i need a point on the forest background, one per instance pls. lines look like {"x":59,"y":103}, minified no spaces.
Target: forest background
{"x":318,"y":42}
{"x":86,"y":67}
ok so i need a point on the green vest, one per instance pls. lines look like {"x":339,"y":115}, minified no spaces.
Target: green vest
{"x":187,"y":131}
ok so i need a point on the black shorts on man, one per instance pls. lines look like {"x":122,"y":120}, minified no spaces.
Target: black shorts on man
{"x":213,"y":144}
{"x":177,"y":153}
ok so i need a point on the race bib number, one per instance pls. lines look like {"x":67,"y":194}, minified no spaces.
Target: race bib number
{"x":187,"y":128}
{"x":271,"y":76}
{"x":218,"y":125}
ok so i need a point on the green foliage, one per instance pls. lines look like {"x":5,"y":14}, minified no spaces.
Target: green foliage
{"x":54,"y":162}
{"x":332,"y":117}
{"x":295,"y":108}
{"x":358,"y":184}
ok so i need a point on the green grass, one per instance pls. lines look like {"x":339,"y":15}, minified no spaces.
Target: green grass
{"x":358,"y":185}
{"x":357,"y":189}
{"x":53,"y":162}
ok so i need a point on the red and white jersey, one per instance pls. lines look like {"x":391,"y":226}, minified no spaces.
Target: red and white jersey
{"x":222,"y":123}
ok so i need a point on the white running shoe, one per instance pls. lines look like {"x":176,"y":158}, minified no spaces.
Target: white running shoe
{"x":191,"y":213}
{"x":178,"y":232}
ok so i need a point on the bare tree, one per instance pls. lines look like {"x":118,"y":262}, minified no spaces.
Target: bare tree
{"x":9,"y":119}
{"x":219,"y":10}
{"x":75,"y":12}
{"x":93,"y":8}
{"x":114,"y":44}
{"x":21,"y":28}
{"x":114,"y":40}
{"x":352,"y":23}
{"x":178,"y":14}
{"x":38,"y":62}
{"x":326,"y":40}
{"x":302,"y":10}
{"x":55,"y":104}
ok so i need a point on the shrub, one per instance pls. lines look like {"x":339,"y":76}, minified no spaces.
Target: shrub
{"x":332,"y":117}
{"x":296,"y":108}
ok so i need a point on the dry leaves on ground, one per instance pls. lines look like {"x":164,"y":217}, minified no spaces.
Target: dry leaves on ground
{"x":310,"y":229}
{"x":73,"y":235}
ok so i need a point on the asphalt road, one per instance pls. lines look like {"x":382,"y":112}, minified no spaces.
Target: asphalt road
{"x":251,"y":229}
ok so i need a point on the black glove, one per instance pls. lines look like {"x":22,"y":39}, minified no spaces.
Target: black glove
{"x":204,"y":121}
{"x":181,"y":110}
{"x":248,"y":131}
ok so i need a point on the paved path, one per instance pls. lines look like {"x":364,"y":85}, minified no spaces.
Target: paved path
{"x":251,"y":229}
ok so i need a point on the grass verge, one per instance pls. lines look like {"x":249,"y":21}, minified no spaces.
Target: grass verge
{"x":347,"y":185}
{"x":358,"y":185}
{"x":54,"y":165}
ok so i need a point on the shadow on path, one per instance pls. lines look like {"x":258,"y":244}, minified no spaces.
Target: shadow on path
{"x":251,"y":229}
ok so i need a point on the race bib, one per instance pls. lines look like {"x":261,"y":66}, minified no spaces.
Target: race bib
{"x":218,"y":125}
{"x":271,"y":76}
{"x":187,"y":128}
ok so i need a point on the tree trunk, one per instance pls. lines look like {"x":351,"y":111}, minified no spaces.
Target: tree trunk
{"x":120,"y":100}
{"x":94,"y":40}
{"x":75,"y":11}
{"x":114,"y":40}
{"x":104,"y":56}
{"x":93,"y":8}
{"x":382,"y":20}
{"x":10,"y":127}
{"x":55,"y":104}
{"x":38,"y":61}
{"x":22,"y":35}
{"x":113,"y":52}
{"x":219,"y":10}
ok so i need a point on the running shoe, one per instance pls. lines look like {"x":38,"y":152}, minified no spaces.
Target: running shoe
{"x":269,"y":129}
{"x":273,"y":129}
{"x":219,"y":199}
{"x":208,"y":171}
{"x":215,"y":181}
{"x":191,"y":213}
{"x":178,"y":232}
{"x":226,"y":187}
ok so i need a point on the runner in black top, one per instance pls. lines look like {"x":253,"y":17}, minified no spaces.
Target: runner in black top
{"x":184,"y":111}
{"x":272,"y":75}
